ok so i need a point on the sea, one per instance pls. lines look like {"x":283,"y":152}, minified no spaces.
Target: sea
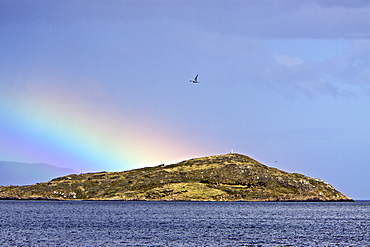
{"x":144,"y":223}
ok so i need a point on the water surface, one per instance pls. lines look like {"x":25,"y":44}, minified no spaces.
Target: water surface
{"x":119,"y":223}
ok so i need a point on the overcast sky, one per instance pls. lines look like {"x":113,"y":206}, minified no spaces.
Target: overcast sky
{"x":104,"y":85}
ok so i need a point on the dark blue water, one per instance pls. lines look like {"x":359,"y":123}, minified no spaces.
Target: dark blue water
{"x":118,"y":223}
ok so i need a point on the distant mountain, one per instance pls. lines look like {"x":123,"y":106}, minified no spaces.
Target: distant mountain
{"x":15,"y":173}
{"x":229,"y":177}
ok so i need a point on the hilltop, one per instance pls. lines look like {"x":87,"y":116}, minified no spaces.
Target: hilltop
{"x":228,"y":177}
{"x":16,"y":173}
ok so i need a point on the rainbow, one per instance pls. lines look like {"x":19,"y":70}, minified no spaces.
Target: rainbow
{"x":67,"y":131}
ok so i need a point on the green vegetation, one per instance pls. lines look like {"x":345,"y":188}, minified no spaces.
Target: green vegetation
{"x":228,"y":177}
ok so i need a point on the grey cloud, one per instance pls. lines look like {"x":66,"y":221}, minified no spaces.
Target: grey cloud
{"x":353,"y":68}
{"x":258,"y":18}
{"x":343,"y":3}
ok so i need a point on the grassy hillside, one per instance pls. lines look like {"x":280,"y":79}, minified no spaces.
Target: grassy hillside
{"x":226,"y":177}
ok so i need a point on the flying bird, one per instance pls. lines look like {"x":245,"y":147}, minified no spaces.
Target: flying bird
{"x":195,"y":79}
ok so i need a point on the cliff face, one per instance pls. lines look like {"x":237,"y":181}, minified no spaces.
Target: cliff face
{"x":226,"y":177}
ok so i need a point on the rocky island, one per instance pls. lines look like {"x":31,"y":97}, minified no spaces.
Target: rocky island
{"x":228,"y":177}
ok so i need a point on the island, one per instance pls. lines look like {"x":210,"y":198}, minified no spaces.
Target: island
{"x":227,"y":177}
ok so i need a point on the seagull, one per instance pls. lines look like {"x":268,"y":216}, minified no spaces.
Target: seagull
{"x":195,"y":79}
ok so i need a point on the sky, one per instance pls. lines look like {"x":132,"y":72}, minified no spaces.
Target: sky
{"x":105,"y":85}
